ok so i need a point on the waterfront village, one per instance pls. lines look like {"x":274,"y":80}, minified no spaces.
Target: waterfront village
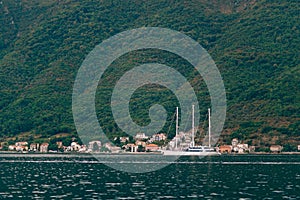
{"x":137,"y":144}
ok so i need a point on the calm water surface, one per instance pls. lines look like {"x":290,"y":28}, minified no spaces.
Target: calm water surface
{"x":221,"y":177}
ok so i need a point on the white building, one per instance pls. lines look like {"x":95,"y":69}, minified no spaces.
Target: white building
{"x":243,"y":146}
{"x":111,"y":148}
{"x":11,"y":147}
{"x":132,"y":147}
{"x":234,"y":142}
{"x":44,"y":147}
{"x":172,"y":144}
{"x":276,"y":148}
{"x":34,"y":147}
{"x":75,"y":146}
{"x":21,"y":143}
{"x":122,"y":139}
{"x":141,"y":136}
{"x":142,"y":143}
{"x":158,"y":137}
{"x":83,"y":148}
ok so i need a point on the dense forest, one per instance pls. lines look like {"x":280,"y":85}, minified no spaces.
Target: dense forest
{"x":255,"y":45}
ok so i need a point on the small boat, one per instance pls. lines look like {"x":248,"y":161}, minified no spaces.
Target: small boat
{"x":192,"y":150}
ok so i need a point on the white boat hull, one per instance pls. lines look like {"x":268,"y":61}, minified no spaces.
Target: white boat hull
{"x":187,"y":153}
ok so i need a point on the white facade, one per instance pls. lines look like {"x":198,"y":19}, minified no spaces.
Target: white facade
{"x":11,"y":147}
{"x":234,"y":142}
{"x":75,"y":146}
{"x":140,"y":136}
{"x":158,"y":137}
{"x":44,"y":147}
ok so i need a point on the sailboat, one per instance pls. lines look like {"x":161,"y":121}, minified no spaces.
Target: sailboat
{"x":192,"y":150}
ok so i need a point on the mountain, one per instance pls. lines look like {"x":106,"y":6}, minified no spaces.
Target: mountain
{"x":255,"y":45}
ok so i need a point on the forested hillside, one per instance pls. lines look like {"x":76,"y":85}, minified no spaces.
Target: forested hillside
{"x":255,"y":45}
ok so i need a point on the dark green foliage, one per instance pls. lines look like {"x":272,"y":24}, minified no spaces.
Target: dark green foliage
{"x":289,"y":148}
{"x":263,"y":149}
{"x":117,"y":141}
{"x":131,"y":140}
{"x":255,"y":45}
{"x":95,"y":147}
{"x":266,"y":129}
{"x":66,"y":141}
{"x":53,"y":146}
{"x":140,"y":148}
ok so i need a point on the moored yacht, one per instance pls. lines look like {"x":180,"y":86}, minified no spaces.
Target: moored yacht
{"x":192,"y":150}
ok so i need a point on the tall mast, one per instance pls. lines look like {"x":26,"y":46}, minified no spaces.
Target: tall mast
{"x":209,"y":128}
{"x":176,"y":126}
{"x":193,"y":126}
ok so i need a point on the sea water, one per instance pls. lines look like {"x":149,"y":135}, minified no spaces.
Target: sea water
{"x":216,"y":177}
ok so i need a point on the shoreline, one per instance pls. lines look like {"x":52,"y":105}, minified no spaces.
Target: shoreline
{"x":74,"y":154}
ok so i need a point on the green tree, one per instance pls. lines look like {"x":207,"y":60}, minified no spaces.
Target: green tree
{"x":117,"y":141}
{"x":95,"y":147}
{"x":140,"y":148}
{"x":53,"y":147}
{"x":289,"y":148}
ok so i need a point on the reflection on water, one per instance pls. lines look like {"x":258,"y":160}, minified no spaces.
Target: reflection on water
{"x":225,"y":177}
